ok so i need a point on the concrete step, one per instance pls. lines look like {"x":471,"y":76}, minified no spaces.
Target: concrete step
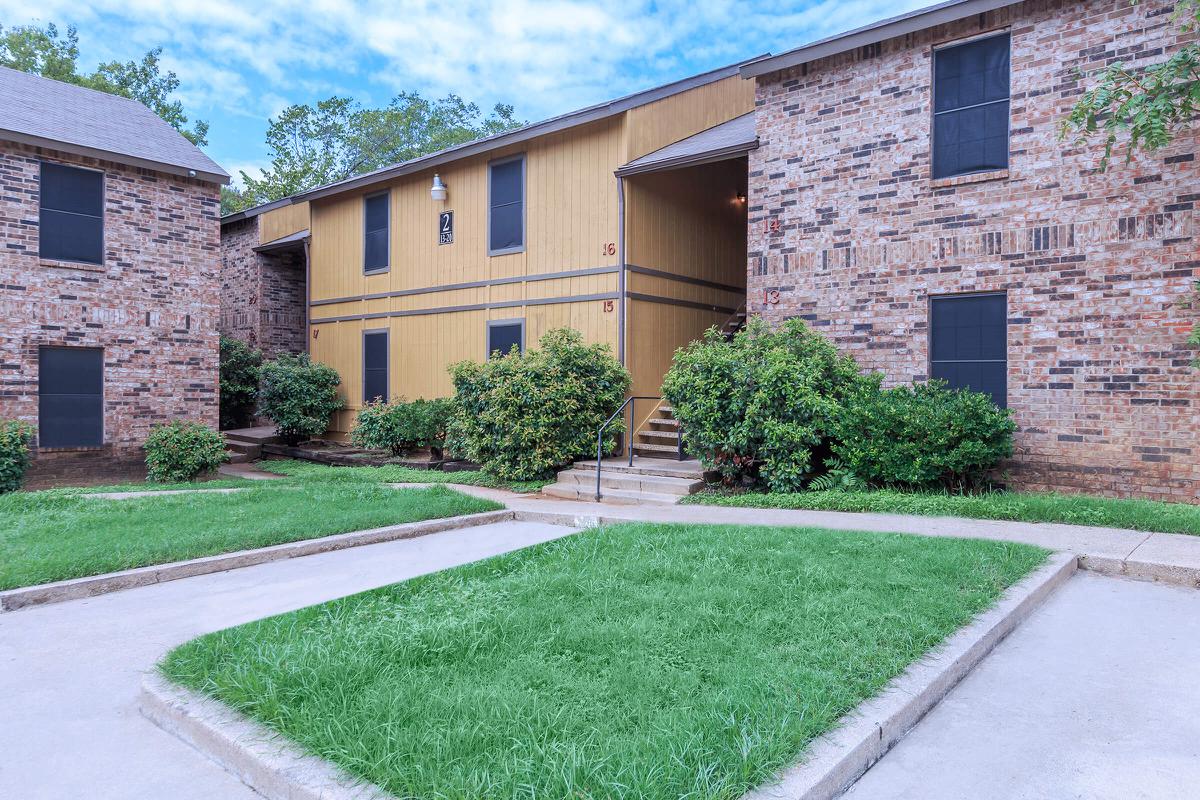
{"x":657,"y":484}
{"x":254,"y":451}
{"x":264,"y":434}
{"x":669,"y":423}
{"x":236,"y":457}
{"x":643,"y":466}
{"x":623,"y":497}
{"x":660,"y":437}
{"x":656,"y":450}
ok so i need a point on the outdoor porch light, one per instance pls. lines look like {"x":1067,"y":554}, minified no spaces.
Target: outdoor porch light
{"x":438,"y":190}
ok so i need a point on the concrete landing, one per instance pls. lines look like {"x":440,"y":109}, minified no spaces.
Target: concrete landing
{"x":1093,"y":697}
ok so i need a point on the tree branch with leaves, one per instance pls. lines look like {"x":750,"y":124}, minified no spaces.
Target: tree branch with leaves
{"x":1144,"y":108}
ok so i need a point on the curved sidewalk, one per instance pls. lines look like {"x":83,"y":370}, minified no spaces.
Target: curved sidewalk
{"x":1168,"y":557}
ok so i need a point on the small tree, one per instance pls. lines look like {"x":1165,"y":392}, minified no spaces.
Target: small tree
{"x":299,"y":396}
{"x":523,"y":416}
{"x":763,"y":403}
{"x":241,"y":367}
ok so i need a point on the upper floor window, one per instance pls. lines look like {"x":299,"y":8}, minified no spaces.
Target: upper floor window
{"x":506,"y":206}
{"x":375,"y":233}
{"x":970,"y":107}
{"x":71,"y":216}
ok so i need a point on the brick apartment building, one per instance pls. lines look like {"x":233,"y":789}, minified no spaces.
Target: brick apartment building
{"x":911,"y":198}
{"x":108,"y":276}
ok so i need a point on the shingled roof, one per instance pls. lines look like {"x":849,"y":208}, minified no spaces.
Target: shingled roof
{"x":48,"y":113}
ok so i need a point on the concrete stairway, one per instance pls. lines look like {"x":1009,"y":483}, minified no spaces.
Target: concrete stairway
{"x":659,"y":437}
{"x":649,"y":480}
{"x":245,"y":444}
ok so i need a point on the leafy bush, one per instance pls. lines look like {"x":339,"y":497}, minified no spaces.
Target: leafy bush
{"x":923,"y":436}
{"x":762,"y":404}
{"x":299,"y":396}
{"x":523,"y":416}
{"x":400,"y":426}
{"x":182,"y":451}
{"x":15,"y":437}
{"x":241,"y":366}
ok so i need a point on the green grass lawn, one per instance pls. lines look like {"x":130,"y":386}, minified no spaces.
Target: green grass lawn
{"x":1141,"y":515}
{"x":393,"y":473}
{"x":634,"y":661}
{"x":59,"y":534}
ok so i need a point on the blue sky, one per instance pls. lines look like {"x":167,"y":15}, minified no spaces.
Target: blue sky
{"x":241,"y":61}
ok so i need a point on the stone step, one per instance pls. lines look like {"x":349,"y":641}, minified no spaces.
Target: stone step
{"x":660,"y":437}
{"x":655,"y":466}
{"x":658,"y":484}
{"x":664,"y":422}
{"x":656,"y":450}
{"x":623,"y":497}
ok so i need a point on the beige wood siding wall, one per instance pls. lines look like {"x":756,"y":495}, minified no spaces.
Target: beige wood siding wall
{"x":282,"y":221}
{"x":571,"y":226}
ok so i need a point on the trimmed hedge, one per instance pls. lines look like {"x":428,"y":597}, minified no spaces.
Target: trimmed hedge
{"x":182,"y":451}
{"x":782,"y":408}
{"x":299,"y":396}
{"x":402,"y":426}
{"x":521,"y":417}
{"x":15,"y":438}
{"x":923,"y":437}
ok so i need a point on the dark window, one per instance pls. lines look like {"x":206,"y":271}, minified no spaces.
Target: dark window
{"x":970,"y":107}
{"x":968,"y":347}
{"x":503,"y":336}
{"x":70,"y":397}
{"x":375,"y":366}
{"x":506,"y":206}
{"x":71,"y":217}
{"x":375,"y":233}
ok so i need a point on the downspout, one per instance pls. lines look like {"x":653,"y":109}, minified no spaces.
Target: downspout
{"x":307,"y":295}
{"x":621,"y":265}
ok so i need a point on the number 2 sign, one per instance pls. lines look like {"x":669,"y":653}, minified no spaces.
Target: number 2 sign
{"x":446,"y":227}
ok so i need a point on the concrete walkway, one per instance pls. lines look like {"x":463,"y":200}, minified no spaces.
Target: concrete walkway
{"x":70,"y":672}
{"x":1094,"y":696}
{"x":1160,"y":553}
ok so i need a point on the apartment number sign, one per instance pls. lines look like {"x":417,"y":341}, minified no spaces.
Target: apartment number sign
{"x":446,"y":227}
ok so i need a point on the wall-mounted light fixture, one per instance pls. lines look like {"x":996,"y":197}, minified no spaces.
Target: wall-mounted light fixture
{"x":438,"y":190}
{"x":741,"y":198}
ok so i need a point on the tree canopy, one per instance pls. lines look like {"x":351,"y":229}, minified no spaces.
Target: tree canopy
{"x":43,"y":51}
{"x":314,"y":144}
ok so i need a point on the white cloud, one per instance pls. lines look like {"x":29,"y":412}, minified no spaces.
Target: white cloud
{"x":543,"y":56}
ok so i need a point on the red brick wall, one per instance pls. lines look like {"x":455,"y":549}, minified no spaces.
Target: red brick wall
{"x":262,"y":294}
{"x":152,"y":306}
{"x":1094,"y":265}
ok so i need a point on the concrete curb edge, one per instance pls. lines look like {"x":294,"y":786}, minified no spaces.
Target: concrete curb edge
{"x":259,"y":758}
{"x":837,"y":759}
{"x":78,"y":588}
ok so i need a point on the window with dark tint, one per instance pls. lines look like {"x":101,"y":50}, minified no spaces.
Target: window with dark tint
{"x":504,"y":336}
{"x":968,"y":347}
{"x":70,"y":397}
{"x":375,"y":366}
{"x":375,"y":233}
{"x":506,"y":206}
{"x":970,"y":107}
{"x":71,"y":217}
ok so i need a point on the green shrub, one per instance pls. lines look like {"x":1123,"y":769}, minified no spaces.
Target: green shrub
{"x":181,"y":451}
{"x":923,"y":436}
{"x":15,"y":437}
{"x":763,"y":404}
{"x":523,"y":416}
{"x":401,"y":426}
{"x":299,"y":396}
{"x":241,"y":366}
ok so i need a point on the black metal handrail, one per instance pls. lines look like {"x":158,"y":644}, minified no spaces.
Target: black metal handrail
{"x":632,"y":403}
